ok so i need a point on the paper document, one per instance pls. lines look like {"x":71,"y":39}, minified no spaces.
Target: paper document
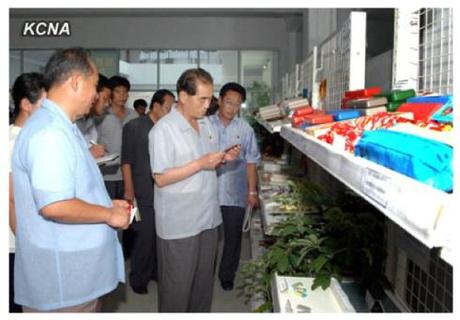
{"x":107,"y":158}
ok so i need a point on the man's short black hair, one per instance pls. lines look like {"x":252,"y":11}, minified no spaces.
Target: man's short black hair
{"x":188,"y":80}
{"x":119,"y":81}
{"x":103,"y":83}
{"x":27,"y":85}
{"x":233,"y":86}
{"x":64,"y":62}
{"x":159,"y":97}
{"x":139,"y":103}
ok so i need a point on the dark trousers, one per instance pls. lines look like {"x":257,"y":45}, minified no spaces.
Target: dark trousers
{"x":232,"y":222}
{"x":144,"y":249}
{"x":13,"y":306}
{"x":186,"y":272}
{"x":116,"y":190}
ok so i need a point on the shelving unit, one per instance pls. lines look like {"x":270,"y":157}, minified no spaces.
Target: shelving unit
{"x":417,"y":208}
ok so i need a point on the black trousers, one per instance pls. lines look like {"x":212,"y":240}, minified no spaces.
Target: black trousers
{"x":144,"y":250}
{"x":116,"y":190}
{"x":232,"y":222}
{"x":13,"y":306}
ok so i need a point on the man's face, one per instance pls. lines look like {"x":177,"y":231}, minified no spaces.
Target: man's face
{"x":230,"y":104}
{"x":164,"y":108}
{"x":140,"y":110}
{"x":199,"y":103}
{"x":119,"y":96}
{"x":102,"y":101}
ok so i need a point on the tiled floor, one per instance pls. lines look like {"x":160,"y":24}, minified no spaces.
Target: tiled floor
{"x":123,"y":299}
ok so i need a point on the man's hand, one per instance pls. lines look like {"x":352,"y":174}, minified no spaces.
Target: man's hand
{"x":233,"y":153}
{"x":253,"y":201}
{"x":211,"y":160}
{"x":97,"y":150}
{"x":119,"y":217}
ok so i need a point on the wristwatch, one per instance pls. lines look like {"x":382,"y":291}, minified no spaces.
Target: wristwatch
{"x":253,"y":193}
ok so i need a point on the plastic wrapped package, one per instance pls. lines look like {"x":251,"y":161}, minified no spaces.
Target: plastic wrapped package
{"x":422,"y":111}
{"x":366,"y":103}
{"x":425,"y":160}
{"x":339,"y":115}
{"x":362,"y":93}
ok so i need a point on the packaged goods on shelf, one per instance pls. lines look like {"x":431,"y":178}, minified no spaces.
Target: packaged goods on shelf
{"x":278,"y":179}
{"x":393,"y":106}
{"x":294,"y":104}
{"x":271,"y":112}
{"x":339,"y":115}
{"x":303,"y":111}
{"x":398,"y":95}
{"x":363,"y":93}
{"x":345,"y":134}
{"x":423,"y":111}
{"x":318,"y":118}
{"x":372,"y":111}
{"x":425,"y":160}
{"x":430,"y":99}
{"x":366,"y":103}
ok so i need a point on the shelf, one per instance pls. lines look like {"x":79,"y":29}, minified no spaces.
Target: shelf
{"x":416,"y":207}
{"x":268,"y":219}
{"x":286,"y":299}
{"x":272,"y":126}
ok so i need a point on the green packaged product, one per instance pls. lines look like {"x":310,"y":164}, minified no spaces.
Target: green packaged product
{"x":393,"y":106}
{"x":397,"y":95}
{"x":402,"y":95}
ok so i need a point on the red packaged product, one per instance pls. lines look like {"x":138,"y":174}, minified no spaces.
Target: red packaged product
{"x":302,"y":111}
{"x":421,"y":111}
{"x":318,"y":118}
{"x":363,"y":93}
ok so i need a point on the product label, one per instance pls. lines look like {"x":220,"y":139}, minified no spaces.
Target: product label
{"x":376,"y":186}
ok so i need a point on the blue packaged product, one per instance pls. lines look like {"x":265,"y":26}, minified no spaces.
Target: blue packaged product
{"x":344,"y":114}
{"x":431,"y":99}
{"x":425,"y":160}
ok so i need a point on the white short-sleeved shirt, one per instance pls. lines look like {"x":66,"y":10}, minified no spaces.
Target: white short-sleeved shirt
{"x":188,"y":207}
{"x":14,"y":131}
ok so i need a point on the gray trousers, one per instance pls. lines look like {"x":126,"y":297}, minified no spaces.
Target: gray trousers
{"x":186,"y":272}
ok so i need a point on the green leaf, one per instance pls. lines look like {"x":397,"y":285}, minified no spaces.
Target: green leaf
{"x":267,"y":306}
{"x":322,"y":281}
{"x":283,"y":264}
{"x":318,"y":263}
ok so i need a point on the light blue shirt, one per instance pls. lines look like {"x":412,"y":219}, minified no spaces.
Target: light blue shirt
{"x":58,"y":264}
{"x":233,"y":181}
{"x":190,"y":206}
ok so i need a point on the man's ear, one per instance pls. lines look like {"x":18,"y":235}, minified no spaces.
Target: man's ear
{"x":75,"y":79}
{"x":183,"y":97}
{"x":25,"y":105}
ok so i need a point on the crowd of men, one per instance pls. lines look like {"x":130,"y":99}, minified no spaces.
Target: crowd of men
{"x":188,"y":170}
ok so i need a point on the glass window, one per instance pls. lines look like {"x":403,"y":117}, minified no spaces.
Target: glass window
{"x":106,"y":61}
{"x":140,"y":67}
{"x":258,"y":69}
{"x":173,"y":63}
{"x":35,"y":60}
{"x":15,"y":65}
{"x":222,"y":65}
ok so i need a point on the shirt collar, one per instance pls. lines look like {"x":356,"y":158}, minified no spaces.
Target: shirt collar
{"x":57,"y":110}
{"x":184,"y":125}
